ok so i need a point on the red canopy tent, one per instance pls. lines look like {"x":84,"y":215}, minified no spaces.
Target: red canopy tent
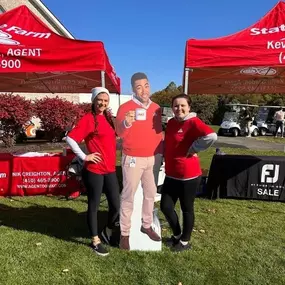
{"x":250,"y":61}
{"x":34,"y":59}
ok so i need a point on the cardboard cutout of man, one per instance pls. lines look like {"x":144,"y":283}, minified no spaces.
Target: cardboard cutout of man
{"x":138,"y":124}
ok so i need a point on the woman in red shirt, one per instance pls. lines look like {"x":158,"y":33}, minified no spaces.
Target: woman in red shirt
{"x":97,"y":130}
{"x":185,"y":136}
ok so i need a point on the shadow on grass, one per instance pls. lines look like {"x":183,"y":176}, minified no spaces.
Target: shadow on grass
{"x":57,"y":222}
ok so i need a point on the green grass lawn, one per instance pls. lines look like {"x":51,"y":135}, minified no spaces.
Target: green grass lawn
{"x":243,"y":242}
{"x":215,"y":128}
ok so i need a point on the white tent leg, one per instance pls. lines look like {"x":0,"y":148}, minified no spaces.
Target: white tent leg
{"x":103,"y":84}
{"x":186,"y":80}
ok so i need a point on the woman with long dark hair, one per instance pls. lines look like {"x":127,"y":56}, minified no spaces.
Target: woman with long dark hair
{"x":97,"y":130}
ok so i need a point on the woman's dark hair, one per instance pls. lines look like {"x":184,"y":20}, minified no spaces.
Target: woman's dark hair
{"x":108,"y":116}
{"x":183,"y":96}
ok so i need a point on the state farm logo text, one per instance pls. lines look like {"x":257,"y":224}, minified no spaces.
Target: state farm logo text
{"x":6,"y":38}
{"x":265,"y":31}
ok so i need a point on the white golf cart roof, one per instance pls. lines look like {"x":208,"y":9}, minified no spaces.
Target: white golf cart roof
{"x":273,"y":107}
{"x":242,"y":105}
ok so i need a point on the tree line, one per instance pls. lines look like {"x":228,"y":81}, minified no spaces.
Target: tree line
{"x":58,"y":114}
{"x":211,"y":108}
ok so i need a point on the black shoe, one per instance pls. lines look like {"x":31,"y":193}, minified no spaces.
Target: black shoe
{"x":172,"y":241}
{"x":105,"y":237}
{"x":180,"y":247}
{"x":99,"y":249}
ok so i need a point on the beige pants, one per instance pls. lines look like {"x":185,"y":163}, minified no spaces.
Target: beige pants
{"x":136,"y":169}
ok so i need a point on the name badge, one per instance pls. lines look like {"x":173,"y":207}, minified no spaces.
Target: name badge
{"x":132,"y":162}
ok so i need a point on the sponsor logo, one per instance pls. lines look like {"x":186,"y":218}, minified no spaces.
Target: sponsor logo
{"x":264,"y":71}
{"x":269,"y":186}
{"x":270,"y":173}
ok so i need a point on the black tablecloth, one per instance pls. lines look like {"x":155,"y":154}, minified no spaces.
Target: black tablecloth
{"x":246,"y":176}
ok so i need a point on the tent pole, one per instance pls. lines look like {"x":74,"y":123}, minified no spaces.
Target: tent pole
{"x":103,"y":79}
{"x":186,"y":80}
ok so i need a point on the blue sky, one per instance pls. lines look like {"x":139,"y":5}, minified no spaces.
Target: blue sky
{"x":150,"y":36}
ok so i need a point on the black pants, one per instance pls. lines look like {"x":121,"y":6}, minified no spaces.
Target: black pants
{"x":95,"y":184}
{"x":279,"y":124}
{"x":185,"y":191}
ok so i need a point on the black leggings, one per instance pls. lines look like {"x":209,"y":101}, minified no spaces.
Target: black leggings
{"x":279,"y":124}
{"x":185,"y":191}
{"x":95,"y":184}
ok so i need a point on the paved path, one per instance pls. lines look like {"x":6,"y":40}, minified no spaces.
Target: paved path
{"x":223,"y":141}
{"x":248,"y":143}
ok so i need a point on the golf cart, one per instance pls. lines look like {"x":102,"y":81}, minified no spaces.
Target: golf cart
{"x":265,"y":119}
{"x":231,"y":123}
